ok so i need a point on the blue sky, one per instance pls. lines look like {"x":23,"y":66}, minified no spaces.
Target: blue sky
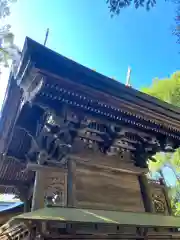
{"x":84,"y":31}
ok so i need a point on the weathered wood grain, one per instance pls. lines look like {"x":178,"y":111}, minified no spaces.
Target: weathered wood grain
{"x":146,"y":193}
{"x":105,"y":189}
{"x":106,"y":162}
{"x":71,"y":183}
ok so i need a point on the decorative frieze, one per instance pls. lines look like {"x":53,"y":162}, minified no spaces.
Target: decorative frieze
{"x":70,"y":132}
{"x":84,"y":102}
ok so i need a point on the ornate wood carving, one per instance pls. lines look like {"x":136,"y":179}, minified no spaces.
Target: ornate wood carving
{"x":97,"y":103}
{"x":158,"y":196}
{"x":159,"y":203}
{"x":109,"y":140}
{"x":77,"y":133}
{"x":53,"y":140}
{"x":56,"y":189}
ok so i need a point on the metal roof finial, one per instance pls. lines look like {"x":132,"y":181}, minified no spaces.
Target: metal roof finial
{"x":128,"y":78}
{"x":46,"y":37}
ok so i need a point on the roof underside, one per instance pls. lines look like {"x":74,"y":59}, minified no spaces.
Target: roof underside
{"x":13,"y":176}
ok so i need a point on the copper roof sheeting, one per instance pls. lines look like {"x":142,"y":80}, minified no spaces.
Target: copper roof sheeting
{"x":100,"y":216}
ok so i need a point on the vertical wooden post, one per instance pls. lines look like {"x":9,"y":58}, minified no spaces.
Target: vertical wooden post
{"x":45,"y":178}
{"x":71,"y":183}
{"x":168,"y":202}
{"x":27,"y":207}
{"x":24,"y":197}
{"x":38,"y":191}
{"x":165,"y":191}
{"x":146,"y":193}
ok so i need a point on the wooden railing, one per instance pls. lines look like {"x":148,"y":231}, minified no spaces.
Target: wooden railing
{"x":15,"y":232}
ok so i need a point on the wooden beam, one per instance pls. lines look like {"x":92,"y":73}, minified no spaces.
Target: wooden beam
{"x":27,"y":205}
{"x":124,"y":169}
{"x":165,"y":191}
{"x":37,"y":167}
{"x":12,"y":183}
{"x":38,"y":191}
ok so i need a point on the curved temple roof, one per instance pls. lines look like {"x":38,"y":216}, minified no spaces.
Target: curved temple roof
{"x":53,"y":65}
{"x":138,"y":109}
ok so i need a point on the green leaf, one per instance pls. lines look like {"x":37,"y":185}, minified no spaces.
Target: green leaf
{"x":170,"y":94}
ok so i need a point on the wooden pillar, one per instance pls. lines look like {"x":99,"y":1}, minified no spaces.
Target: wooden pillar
{"x":43,"y":181}
{"x":38,"y":191}
{"x":146,"y":193}
{"x":165,"y":191}
{"x":71,"y":183}
{"x":27,"y":205}
{"x":24,"y":197}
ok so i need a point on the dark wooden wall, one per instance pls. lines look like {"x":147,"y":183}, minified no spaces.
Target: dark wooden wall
{"x":107,"y":189}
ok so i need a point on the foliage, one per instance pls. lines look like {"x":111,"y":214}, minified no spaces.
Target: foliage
{"x":8,"y":51}
{"x":5,"y":8}
{"x":168,"y":90}
{"x":162,"y":160}
{"x":176,"y":31}
{"x":4,"y":12}
{"x":116,"y":6}
{"x":170,"y":93}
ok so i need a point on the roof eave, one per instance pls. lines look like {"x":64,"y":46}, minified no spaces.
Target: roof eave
{"x":46,"y":59}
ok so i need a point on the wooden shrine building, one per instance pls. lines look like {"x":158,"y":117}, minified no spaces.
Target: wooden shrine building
{"x":74,"y":147}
